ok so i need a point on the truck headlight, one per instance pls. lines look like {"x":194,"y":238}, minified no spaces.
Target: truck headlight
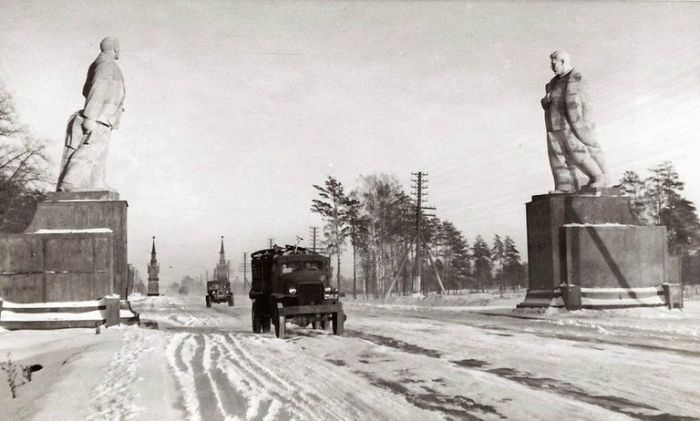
{"x":292,"y":291}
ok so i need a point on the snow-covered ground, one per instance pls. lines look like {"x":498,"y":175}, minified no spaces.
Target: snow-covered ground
{"x":410,"y":358}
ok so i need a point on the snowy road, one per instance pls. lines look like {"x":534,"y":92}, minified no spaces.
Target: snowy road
{"x":394,"y":363}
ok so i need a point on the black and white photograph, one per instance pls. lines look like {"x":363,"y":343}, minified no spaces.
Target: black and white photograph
{"x":349,"y":210}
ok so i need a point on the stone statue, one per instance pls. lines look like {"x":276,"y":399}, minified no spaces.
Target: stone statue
{"x":87,"y":135}
{"x":571,"y":141}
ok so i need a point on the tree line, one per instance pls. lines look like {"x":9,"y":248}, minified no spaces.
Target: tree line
{"x":23,"y":169}
{"x":658,"y":200}
{"x":378,"y":221}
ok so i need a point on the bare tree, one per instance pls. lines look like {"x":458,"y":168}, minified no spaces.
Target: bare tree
{"x":23,"y":169}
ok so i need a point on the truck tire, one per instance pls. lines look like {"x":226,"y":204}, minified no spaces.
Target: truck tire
{"x":207,"y":300}
{"x":281,"y":327}
{"x":338,"y":323}
{"x":230,"y":301}
{"x":266,"y":322}
{"x":280,"y":323}
{"x":257,"y":324}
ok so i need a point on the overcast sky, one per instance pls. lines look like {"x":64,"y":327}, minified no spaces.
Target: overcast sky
{"x":234,"y":109}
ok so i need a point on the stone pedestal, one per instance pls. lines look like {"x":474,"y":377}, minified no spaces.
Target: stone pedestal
{"x":587,"y":250}
{"x":52,"y":266}
{"x":88,"y":211}
{"x":74,"y":250}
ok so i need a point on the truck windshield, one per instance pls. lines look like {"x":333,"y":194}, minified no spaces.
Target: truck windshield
{"x":289,"y":267}
{"x":312,"y":265}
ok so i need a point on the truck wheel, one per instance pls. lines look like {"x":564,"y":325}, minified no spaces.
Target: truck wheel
{"x":230,"y":301}
{"x":280,"y":327}
{"x":207,"y":300}
{"x":265,"y":324}
{"x":338,"y":322}
{"x":257,"y":325}
{"x":280,"y":323}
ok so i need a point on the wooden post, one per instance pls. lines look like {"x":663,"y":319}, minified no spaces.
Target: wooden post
{"x":396,"y":277}
{"x":432,"y":263}
{"x":111,"y":310}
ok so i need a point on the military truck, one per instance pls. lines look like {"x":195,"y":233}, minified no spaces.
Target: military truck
{"x":292,"y":284}
{"x":219,"y":291}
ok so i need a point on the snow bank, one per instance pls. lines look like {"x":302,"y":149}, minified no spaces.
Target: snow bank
{"x":11,"y":316}
{"x":74,"y":231}
{"x":480,"y":299}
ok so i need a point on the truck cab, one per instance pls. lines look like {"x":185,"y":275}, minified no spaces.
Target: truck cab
{"x":293,"y":283}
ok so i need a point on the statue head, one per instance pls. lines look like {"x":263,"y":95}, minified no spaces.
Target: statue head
{"x":110,"y":46}
{"x":561,"y":62}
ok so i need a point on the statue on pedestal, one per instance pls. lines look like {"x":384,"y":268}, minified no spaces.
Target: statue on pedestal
{"x":87,"y":135}
{"x":571,"y":142}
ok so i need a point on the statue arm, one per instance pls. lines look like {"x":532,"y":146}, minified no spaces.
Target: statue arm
{"x":547,"y":99}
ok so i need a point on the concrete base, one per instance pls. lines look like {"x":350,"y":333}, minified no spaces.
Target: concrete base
{"x":107,"y":311}
{"x":56,"y":266}
{"x":74,"y":250}
{"x":573,"y":297}
{"x":589,"y":251}
{"x":88,"y":211}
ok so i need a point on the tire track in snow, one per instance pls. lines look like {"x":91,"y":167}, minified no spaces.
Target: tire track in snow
{"x":114,"y":397}
{"x":210,"y":407}
{"x":209,"y":392}
{"x":296,"y":393}
{"x":260,"y":398}
{"x":232,"y":401}
{"x":178,"y":353}
{"x":308,"y":395}
{"x":292,"y":397}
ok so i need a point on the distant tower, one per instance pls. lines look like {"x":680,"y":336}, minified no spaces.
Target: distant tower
{"x":153,"y":271}
{"x":221,"y":273}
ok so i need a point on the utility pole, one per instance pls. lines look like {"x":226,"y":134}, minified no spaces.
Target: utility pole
{"x":243,"y":267}
{"x":313,"y":238}
{"x":271,"y":241}
{"x":419,"y":188}
{"x":354,"y":272}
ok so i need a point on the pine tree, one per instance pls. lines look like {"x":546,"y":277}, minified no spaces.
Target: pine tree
{"x":513,"y":271}
{"x":633,"y":187}
{"x":333,"y":206}
{"x":457,"y":265}
{"x":668,"y":207}
{"x":497,"y":256}
{"x":481,"y":256}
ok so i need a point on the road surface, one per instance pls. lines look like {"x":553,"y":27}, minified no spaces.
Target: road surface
{"x":393,"y":363}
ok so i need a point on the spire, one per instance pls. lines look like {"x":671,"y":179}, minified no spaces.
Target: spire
{"x":222,"y":255}
{"x":153,"y":251}
{"x":153,"y":271}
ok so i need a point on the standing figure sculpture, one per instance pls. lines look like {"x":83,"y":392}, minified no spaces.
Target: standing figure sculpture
{"x":571,"y":141}
{"x":87,"y":135}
